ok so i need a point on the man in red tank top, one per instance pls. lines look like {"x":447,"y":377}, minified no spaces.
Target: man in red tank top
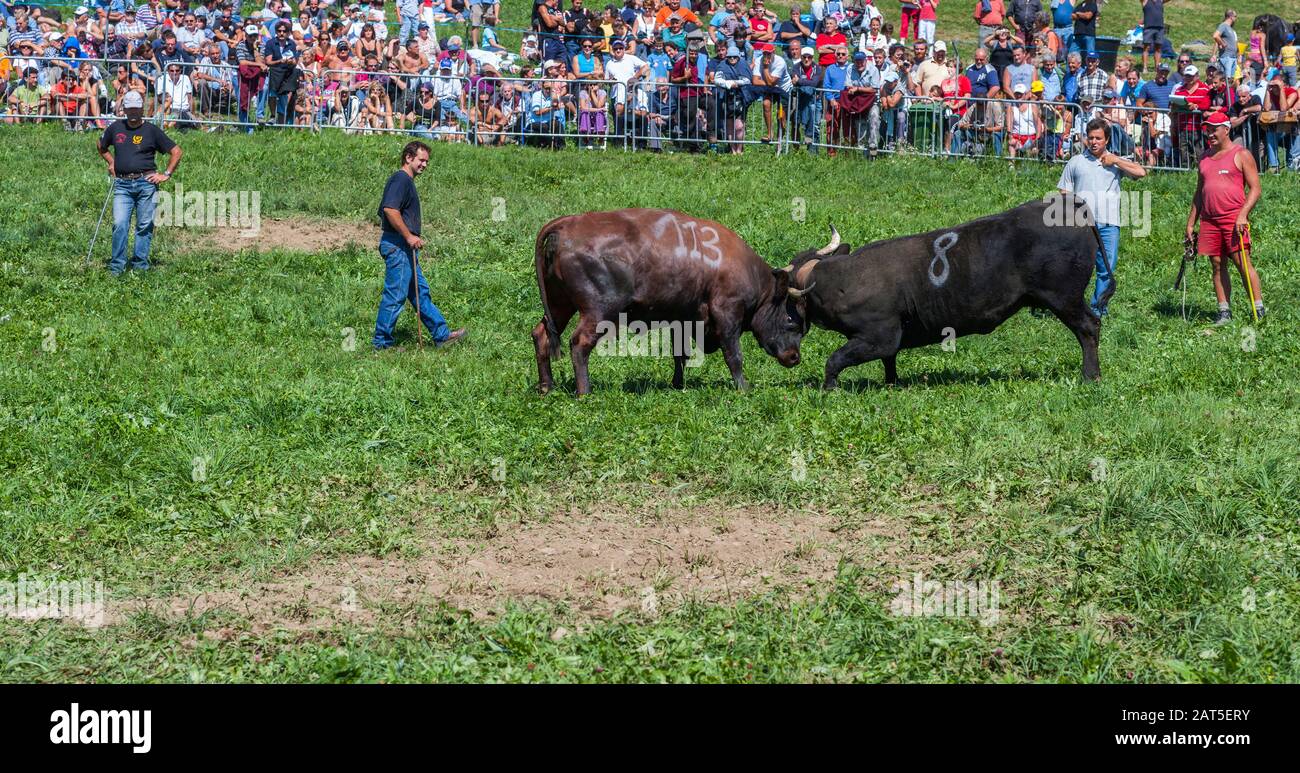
{"x":1227,"y":188}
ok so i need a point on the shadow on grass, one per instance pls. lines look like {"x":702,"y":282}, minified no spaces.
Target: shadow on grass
{"x":1170,"y":308}
{"x":932,"y":378}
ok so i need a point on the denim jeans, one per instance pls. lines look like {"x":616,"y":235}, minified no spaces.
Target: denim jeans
{"x":409,"y":24}
{"x":450,"y":105}
{"x":1228,"y":63}
{"x":398,"y":289}
{"x":1083,"y":43}
{"x":1066,"y":34}
{"x":810,"y":119}
{"x":1107,"y":258}
{"x":1288,"y":139}
{"x":132,"y":196}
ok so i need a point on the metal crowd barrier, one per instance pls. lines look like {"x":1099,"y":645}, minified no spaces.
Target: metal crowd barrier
{"x":649,"y":115}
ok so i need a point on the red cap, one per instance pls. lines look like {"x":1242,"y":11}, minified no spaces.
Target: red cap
{"x":1217,"y":119}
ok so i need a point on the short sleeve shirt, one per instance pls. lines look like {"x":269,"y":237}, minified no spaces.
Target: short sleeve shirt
{"x":134,"y":149}
{"x":400,"y":194}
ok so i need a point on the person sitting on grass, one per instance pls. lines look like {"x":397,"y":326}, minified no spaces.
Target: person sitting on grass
{"x":29,"y":100}
{"x":486,"y":120}
{"x":71,"y":102}
{"x":424,"y":114}
{"x":376,"y":111}
{"x":592,"y":110}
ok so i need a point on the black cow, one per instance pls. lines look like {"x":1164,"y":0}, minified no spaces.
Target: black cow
{"x":1276,"y":30}
{"x":919,"y":290}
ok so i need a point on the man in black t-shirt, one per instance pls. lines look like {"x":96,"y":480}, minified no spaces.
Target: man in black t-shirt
{"x":128,"y":146}
{"x":399,"y":246}
{"x":1085,"y":27}
{"x":281,"y":56}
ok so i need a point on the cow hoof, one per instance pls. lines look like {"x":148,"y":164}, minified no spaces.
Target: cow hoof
{"x":830,"y":386}
{"x":544,"y":389}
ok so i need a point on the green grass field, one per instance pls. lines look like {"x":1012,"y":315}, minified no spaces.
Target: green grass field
{"x":1141,"y":529}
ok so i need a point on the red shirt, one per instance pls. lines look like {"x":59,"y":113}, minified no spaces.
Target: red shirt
{"x":680,"y":70}
{"x":1198,"y":96}
{"x":762,"y":24}
{"x":833,"y":39}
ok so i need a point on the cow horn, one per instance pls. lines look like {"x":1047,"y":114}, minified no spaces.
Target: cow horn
{"x":789,"y":269}
{"x":797,"y":293}
{"x":835,"y":242}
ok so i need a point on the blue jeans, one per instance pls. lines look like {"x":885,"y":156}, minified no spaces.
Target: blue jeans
{"x":450,"y":105}
{"x":1228,"y":63}
{"x":398,"y":289}
{"x":1289,"y":139}
{"x":809,"y":118}
{"x":1066,"y":34}
{"x":1083,"y":43}
{"x":409,"y":24}
{"x":132,"y":196}
{"x":1107,"y":258}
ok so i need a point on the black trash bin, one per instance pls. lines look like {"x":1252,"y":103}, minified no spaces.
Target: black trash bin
{"x":1108,"y":52}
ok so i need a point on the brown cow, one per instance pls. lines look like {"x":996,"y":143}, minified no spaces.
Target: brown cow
{"x":659,"y":266}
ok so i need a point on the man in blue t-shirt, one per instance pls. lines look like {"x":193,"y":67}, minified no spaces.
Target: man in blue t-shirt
{"x":399,"y":246}
{"x":1063,"y":23}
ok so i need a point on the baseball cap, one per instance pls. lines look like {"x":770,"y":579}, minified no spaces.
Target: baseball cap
{"x":940,"y":46}
{"x":1163,"y":66}
{"x":890,"y":77}
{"x":423,"y":26}
{"x":1218,"y":118}
{"x":1190,"y":70}
{"x":1036,"y":87}
{"x":81,"y":11}
{"x":1020,"y":88}
{"x":251,"y":29}
{"x":445,"y":64}
{"x":732,"y":50}
{"x":859,"y":56}
{"x":1093,"y":55}
{"x":132,"y":99}
{"x":453,"y":46}
{"x":618,"y":44}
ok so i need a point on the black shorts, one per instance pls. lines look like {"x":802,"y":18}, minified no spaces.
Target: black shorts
{"x":1153,"y":36}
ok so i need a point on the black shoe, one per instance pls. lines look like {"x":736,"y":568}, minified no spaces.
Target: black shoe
{"x":1225,"y":316}
{"x":1260,"y":311}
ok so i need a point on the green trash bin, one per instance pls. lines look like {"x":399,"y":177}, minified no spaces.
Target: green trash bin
{"x":925,"y":124}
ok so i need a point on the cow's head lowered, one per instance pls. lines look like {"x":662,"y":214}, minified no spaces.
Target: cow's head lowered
{"x":781,"y":320}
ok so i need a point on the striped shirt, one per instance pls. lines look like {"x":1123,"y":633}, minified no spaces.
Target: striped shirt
{"x":148,"y":17}
{"x":131,"y":30}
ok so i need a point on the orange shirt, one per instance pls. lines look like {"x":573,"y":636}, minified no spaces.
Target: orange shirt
{"x":661,"y":18}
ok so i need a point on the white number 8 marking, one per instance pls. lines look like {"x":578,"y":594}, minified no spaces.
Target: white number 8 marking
{"x":941,"y":247}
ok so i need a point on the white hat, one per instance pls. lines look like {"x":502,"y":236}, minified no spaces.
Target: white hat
{"x":54,"y":37}
{"x":1190,"y":70}
{"x":251,"y":29}
{"x":940,"y":46}
{"x":1020,"y":88}
{"x":132,"y":99}
{"x":81,"y":11}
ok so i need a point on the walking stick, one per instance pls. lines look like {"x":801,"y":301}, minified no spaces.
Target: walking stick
{"x":1243,"y":247}
{"x":415,"y":283}
{"x":1189,"y":256}
{"x":99,"y":222}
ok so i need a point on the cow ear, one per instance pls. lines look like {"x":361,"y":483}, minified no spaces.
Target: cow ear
{"x":782,"y":278}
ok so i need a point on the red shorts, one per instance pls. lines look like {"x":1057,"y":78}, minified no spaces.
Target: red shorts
{"x":1218,"y":238}
{"x":1025,"y":139}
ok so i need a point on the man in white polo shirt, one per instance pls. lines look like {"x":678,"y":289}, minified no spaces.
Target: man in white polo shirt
{"x":1094,"y":176}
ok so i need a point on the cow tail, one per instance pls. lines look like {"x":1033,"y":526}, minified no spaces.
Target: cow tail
{"x":542,"y":258}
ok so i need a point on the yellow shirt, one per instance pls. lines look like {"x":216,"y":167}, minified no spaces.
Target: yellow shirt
{"x":1289,"y":55}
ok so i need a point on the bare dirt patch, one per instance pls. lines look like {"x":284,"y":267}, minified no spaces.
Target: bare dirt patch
{"x":597,"y":565}
{"x":297,"y":234}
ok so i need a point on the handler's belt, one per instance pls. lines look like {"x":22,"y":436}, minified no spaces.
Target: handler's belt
{"x":133,"y":175}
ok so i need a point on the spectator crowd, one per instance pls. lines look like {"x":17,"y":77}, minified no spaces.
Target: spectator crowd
{"x":690,"y":75}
